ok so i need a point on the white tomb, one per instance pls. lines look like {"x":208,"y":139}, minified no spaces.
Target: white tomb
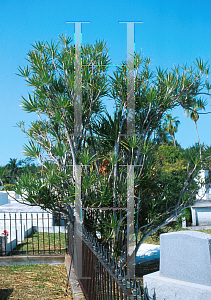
{"x":185,"y":267}
{"x":201,"y":210}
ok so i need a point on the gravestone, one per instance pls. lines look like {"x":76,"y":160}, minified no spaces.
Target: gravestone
{"x":184,"y":223}
{"x":185,"y":267}
{"x":3,"y":241}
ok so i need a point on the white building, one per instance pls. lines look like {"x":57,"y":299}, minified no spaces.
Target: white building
{"x":201,"y":210}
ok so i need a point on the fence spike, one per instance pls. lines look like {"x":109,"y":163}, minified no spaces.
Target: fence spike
{"x":135,"y":288}
{"x":128,"y":283}
{"x":94,"y":247}
{"x":154,"y":295}
{"x":139,"y":292}
{"x":100,"y":251}
{"x":112,"y":263}
{"x":139,"y":297}
{"x":109,"y":258}
{"x":146,"y":293}
{"x":120,"y":274}
{"x":124,"y":281}
{"x":116,"y":269}
{"x":106,"y":256}
{"x":124,"y":278}
{"x":124,"y":271}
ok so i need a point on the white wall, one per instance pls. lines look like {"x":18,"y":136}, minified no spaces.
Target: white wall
{"x":205,"y":192}
{"x":3,"y":198}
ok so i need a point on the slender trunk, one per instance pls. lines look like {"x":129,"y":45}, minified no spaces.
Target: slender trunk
{"x":198,"y":137}
{"x":116,"y":152}
{"x":94,"y":150}
{"x":174,"y":140}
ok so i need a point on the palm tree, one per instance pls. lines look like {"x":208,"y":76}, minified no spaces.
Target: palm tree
{"x":171,"y":126}
{"x":14,"y":170}
{"x":193,"y":114}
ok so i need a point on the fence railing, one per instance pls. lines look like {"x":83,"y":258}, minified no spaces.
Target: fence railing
{"x":103,"y":277}
{"x":32,"y":233}
{"x":90,"y":221}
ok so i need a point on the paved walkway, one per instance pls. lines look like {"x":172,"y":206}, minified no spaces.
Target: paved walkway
{"x":199,"y":227}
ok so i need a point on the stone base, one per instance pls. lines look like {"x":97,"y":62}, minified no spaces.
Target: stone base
{"x":173,"y":289}
{"x":76,"y":290}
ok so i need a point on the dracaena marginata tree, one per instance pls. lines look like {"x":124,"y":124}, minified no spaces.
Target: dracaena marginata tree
{"x":103,"y":149}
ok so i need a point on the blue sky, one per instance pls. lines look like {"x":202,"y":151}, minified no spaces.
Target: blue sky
{"x":172,"y":32}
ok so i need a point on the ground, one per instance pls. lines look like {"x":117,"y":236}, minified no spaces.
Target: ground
{"x":34,"y":282}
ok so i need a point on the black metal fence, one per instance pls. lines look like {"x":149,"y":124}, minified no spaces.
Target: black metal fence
{"x":103,"y":277}
{"x":90,"y":219}
{"x":32,"y":234}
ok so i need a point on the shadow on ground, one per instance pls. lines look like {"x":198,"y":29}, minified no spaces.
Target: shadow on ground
{"x":5,"y":293}
{"x":147,"y":267}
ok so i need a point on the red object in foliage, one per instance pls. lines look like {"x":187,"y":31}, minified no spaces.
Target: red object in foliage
{"x":5,"y":232}
{"x":104,"y":166}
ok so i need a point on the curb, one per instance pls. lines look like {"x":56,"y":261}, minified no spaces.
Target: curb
{"x":75,"y":286}
{"x":33,"y":259}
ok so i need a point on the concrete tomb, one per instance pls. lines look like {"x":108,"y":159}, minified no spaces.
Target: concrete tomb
{"x":185,"y":267}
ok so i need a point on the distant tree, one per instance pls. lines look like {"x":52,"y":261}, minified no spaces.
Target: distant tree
{"x":14,"y":169}
{"x":193,"y":114}
{"x":27,"y":165}
{"x":171,"y":126}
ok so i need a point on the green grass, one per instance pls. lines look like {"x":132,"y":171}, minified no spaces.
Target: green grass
{"x":34,"y":282}
{"x":206,"y":231}
{"x":56,"y":242}
{"x":155,"y":238}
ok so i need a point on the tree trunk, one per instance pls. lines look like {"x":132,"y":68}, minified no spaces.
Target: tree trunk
{"x":174,"y":140}
{"x":198,"y":138}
